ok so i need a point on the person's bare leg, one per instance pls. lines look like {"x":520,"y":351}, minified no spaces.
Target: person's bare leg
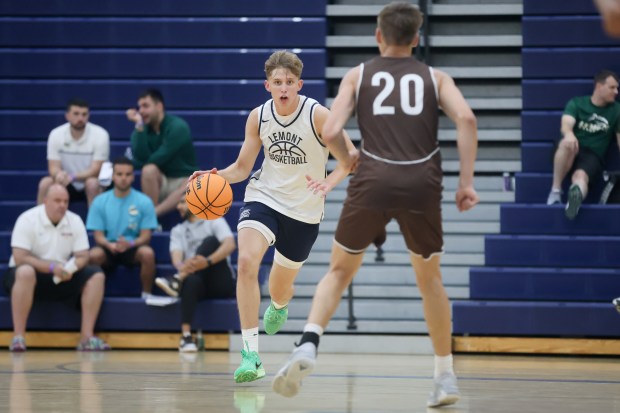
{"x":171,"y":201}
{"x":562,"y":162}
{"x":343,"y":267}
{"x":581,"y":179}
{"x":91,"y":189}
{"x":96,"y":256}
{"x":151,"y":181}
{"x":92,"y":296}
{"x":435,"y":301}
{"x":145,"y":256}
{"x":281,"y":283}
{"x":252,"y":248}
{"x":22,"y":296}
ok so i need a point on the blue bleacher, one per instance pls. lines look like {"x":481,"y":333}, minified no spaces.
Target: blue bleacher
{"x":542,"y":319}
{"x":162,"y":32}
{"x":580,"y":251}
{"x":195,"y":8}
{"x":208,"y":60}
{"x":160,"y":63}
{"x":111,"y":94}
{"x":540,"y":125}
{"x":127,"y":314}
{"x":543,"y":284}
{"x":212,"y":125}
{"x":523,"y":219}
{"x":570,"y":31}
{"x":544,"y":275}
{"x":31,"y":155}
{"x":564,"y":7}
{"x":553,"y":94}
{"x":568,"y":62}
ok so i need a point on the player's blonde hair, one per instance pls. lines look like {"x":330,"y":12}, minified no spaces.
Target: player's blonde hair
{"x":284,"y":59}
{"x":399,"y":22}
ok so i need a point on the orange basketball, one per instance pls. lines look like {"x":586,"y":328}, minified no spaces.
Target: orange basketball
{"x":208,"y":196}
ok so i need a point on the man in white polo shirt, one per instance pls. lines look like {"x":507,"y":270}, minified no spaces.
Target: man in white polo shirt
{"x":75,"y":152}
{"x":49,"y":262}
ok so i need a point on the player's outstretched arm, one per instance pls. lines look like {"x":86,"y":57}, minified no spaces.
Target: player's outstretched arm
{"x":456,"y":108}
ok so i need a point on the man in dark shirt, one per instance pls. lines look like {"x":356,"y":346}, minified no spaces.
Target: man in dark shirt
{"x":162,"y":147}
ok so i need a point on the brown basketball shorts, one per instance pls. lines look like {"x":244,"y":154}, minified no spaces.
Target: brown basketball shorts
{"x":359,"y":227}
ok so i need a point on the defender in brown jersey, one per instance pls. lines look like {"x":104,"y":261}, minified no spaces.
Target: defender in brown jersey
{"x":397,"y":100}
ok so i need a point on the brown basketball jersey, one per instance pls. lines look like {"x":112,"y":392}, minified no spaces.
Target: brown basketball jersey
{"x":398,"y":116}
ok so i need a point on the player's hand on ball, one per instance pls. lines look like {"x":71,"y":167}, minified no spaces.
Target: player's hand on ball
{"x":318,"y":186}
{"x":466,"y":198}
{"x":198,"y":173}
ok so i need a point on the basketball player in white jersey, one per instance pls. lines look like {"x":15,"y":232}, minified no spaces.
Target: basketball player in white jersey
{"x":396,"y":99}
{"x":279,"y":209}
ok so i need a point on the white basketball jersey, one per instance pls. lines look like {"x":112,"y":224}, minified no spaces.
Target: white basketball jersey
{"x":292,"y":150}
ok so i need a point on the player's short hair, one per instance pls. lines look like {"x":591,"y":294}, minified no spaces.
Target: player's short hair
{"x":399,"y":23}
{"x":284,"y":59}
{"x":154,"y":94}
{"x":81,"y":103}
{"x":601,"y":77}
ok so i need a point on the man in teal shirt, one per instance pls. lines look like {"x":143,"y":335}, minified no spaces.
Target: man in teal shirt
{"x":162,"y":147}
{"x":588,"y":125}
{"x":122,"y":220}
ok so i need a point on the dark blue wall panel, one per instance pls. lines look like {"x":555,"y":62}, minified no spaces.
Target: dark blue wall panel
{"x":146,"y":8}
{"x":115,"y":63}
{"x":120,"y":94}
{"x":566,"y":63}
{"x":569,"y":31}
{"x":162,"y":32}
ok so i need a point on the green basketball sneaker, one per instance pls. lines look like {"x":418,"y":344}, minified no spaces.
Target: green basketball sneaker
{"x":251,"y":367}
{"x":273,"y":319}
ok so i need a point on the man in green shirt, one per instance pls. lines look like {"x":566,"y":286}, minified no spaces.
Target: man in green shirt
{"x":162,"y":148}
{"x":588,"y":126}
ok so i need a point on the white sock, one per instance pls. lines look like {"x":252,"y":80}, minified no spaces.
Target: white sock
{"x":250,"y":339}
{"x":278,"y":306}
{"x":556,"y":190}
{"x":443,"y":365}
{"x":146,"y":295}
{"x":313,"y":328}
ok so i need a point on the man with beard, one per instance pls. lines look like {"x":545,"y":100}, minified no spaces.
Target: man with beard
{"x":162,"y":147}
{"x":200,"y":251}
{"x":75,"y":152}
{"x":122,"y":220}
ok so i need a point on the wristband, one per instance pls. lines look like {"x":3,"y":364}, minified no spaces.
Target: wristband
{"x":52,"y":265}
{"x":209,"y":262}
{"x":72,"y":177}
{"x":132,"y":243}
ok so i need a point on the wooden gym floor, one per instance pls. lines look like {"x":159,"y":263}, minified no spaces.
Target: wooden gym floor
{"x":166,"y":381}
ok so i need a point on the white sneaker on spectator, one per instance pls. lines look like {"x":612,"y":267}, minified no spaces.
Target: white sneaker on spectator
{"x":555,"y":197}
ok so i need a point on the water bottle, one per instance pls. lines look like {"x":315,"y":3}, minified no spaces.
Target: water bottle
{"x":200,"y":341}
{"x":508,"y":187}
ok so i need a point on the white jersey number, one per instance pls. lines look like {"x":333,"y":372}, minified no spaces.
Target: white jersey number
{"x":405,"y":98}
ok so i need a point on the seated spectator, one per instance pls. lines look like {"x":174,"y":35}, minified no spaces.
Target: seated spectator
{"x":162,"y":147}
{"x":49,"y":262}
{"x":588,"y":125}
{"x":200,"y":252}
{"x":122,"y":220}
{"x":75,"y":153}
